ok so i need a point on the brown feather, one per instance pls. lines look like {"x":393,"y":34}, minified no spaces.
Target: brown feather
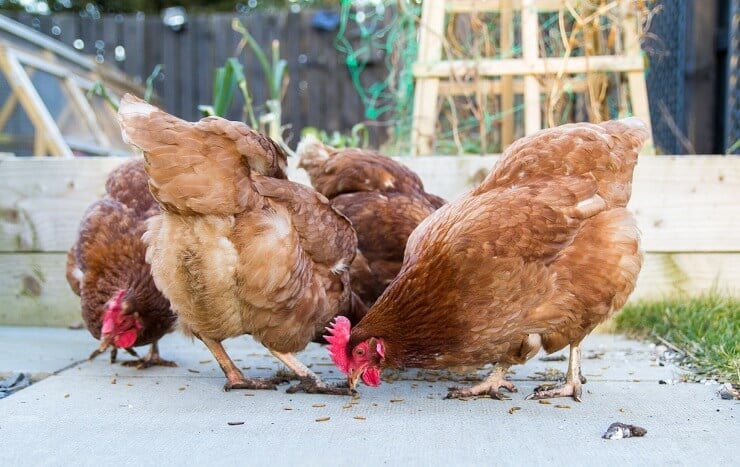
{"x":108,"y":256}
{"x":238,"y":249}
{"x":383,"y":199}
{"x":544,"y":247}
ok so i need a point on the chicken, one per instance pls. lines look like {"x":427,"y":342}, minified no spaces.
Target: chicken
{"x":535,"y":257}
{"x":238,"y":248}
{"x":383,"y":199}
{"x":121,"y":306}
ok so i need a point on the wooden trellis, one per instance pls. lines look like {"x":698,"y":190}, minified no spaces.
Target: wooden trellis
{"x":69,"y":109}
{"x":524,"y":75}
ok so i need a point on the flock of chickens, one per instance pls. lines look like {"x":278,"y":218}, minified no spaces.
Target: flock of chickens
{"x":207,"y":233}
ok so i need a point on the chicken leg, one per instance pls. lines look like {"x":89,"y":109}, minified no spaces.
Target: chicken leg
{"x":573,"y":380}
{"x":151,"y":359}
{"x":104,"y":344}
{"x":234,"y":377}
{"x":490,"y":386}
{"x":310,"y":382}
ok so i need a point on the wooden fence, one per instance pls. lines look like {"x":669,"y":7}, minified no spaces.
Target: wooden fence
{"x":687,"y":210}
{"x":320,"y":91}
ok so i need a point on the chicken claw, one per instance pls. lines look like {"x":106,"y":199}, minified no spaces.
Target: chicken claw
{"x":547,"y":391}
{"x":311,"y":385}
{"x":574,"y":380}
{"x":252,"y":383}
{"x":152,"y":359}
{"x":309,"y":381}
{"x":490,"y":387}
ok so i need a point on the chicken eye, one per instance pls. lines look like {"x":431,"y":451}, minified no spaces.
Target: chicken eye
{"x":359,"y":352}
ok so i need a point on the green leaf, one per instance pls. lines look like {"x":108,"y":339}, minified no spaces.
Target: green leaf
{"x":150,"y":82}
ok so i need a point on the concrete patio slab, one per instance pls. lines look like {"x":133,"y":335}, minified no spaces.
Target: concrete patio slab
{"x":94,"y":412}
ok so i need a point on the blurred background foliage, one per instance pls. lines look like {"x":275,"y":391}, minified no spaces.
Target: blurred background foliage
{"x":155,"y":6}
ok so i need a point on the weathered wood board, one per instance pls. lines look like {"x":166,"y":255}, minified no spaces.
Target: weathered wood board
{"x":34,"y":290}
{"x":688,"y":208}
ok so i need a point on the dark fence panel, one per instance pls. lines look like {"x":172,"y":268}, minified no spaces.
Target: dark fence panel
{"x":320,"y":92}
{"x":693,"y":88}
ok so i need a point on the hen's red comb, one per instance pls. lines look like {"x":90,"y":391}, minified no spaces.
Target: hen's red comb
{"x":112,"y":313}
{"x":338,"y":339}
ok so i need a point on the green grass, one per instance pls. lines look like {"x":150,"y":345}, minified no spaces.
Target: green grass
{"x":706,"y":329}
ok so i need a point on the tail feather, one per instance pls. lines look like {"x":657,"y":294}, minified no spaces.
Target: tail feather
{"x":606,"y":152}
{"x":200,"y":167}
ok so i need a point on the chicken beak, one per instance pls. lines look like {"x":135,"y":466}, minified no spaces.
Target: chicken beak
{"x":352,"y":378}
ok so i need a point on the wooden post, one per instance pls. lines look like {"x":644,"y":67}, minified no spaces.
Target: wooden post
{"x":7,"y":110}
{"x":426,"y":90}
{"x":507,"y":88}
{"x":530,"y":53}
{"x":636,"y":78}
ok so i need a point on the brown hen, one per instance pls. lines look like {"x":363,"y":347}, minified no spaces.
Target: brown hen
{"x":239,"y":249}
{"x":535,"y":257}
{"x":121,"y":306}
{"x":383,"y":199}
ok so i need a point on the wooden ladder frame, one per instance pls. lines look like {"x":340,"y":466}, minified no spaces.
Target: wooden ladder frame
{"x":429,"y":69}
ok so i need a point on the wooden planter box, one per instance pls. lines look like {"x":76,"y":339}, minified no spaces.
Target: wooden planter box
{"x":688,"y":208}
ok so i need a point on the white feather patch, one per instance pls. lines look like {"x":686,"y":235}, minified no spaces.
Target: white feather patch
{"x":633,"y":122}
{"x":341,"y":266}
{"x":78,"y":274}
{"x":136,"y":108}
{"x":311,"y":146}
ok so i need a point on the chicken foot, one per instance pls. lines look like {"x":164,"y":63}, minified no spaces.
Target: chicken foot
{"x":573,"y":380}
{"x":309,"y":381}
{"x":104,"y":344}
{"x":151,"y":359}
{"x":234,"y":377}
{"x":490,"y":386}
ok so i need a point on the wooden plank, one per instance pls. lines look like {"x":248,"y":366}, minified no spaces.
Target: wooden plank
{"x":530,"y":54}
{"x":34,"y":291}
{"x":7,"y":110}
{"x":153,"y":30}
{"x":263,"y":28}
{"x":203,"y":57}
{"x":255,"y":79}
{"x":457,"y":88}
{"x":535,"y":66}
{"x":336,"y":71}
{"x":88,"y":34}
{"x":425,"y":115}
{"x":636,"y":78}
{"x":187,"y":72}
{"x":42,"y":200}
{"x":670,"y":274}
{"x":682,"y":204}
{"x":67,"y":23}
{"x":319,"y":83}
{"x":507,"y":87}
{"x":688,"y":203}
{"x":171,"y":62}
{"x":110,"y":39}
{"x":133,"y":43}
{"x":290,"y":49}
